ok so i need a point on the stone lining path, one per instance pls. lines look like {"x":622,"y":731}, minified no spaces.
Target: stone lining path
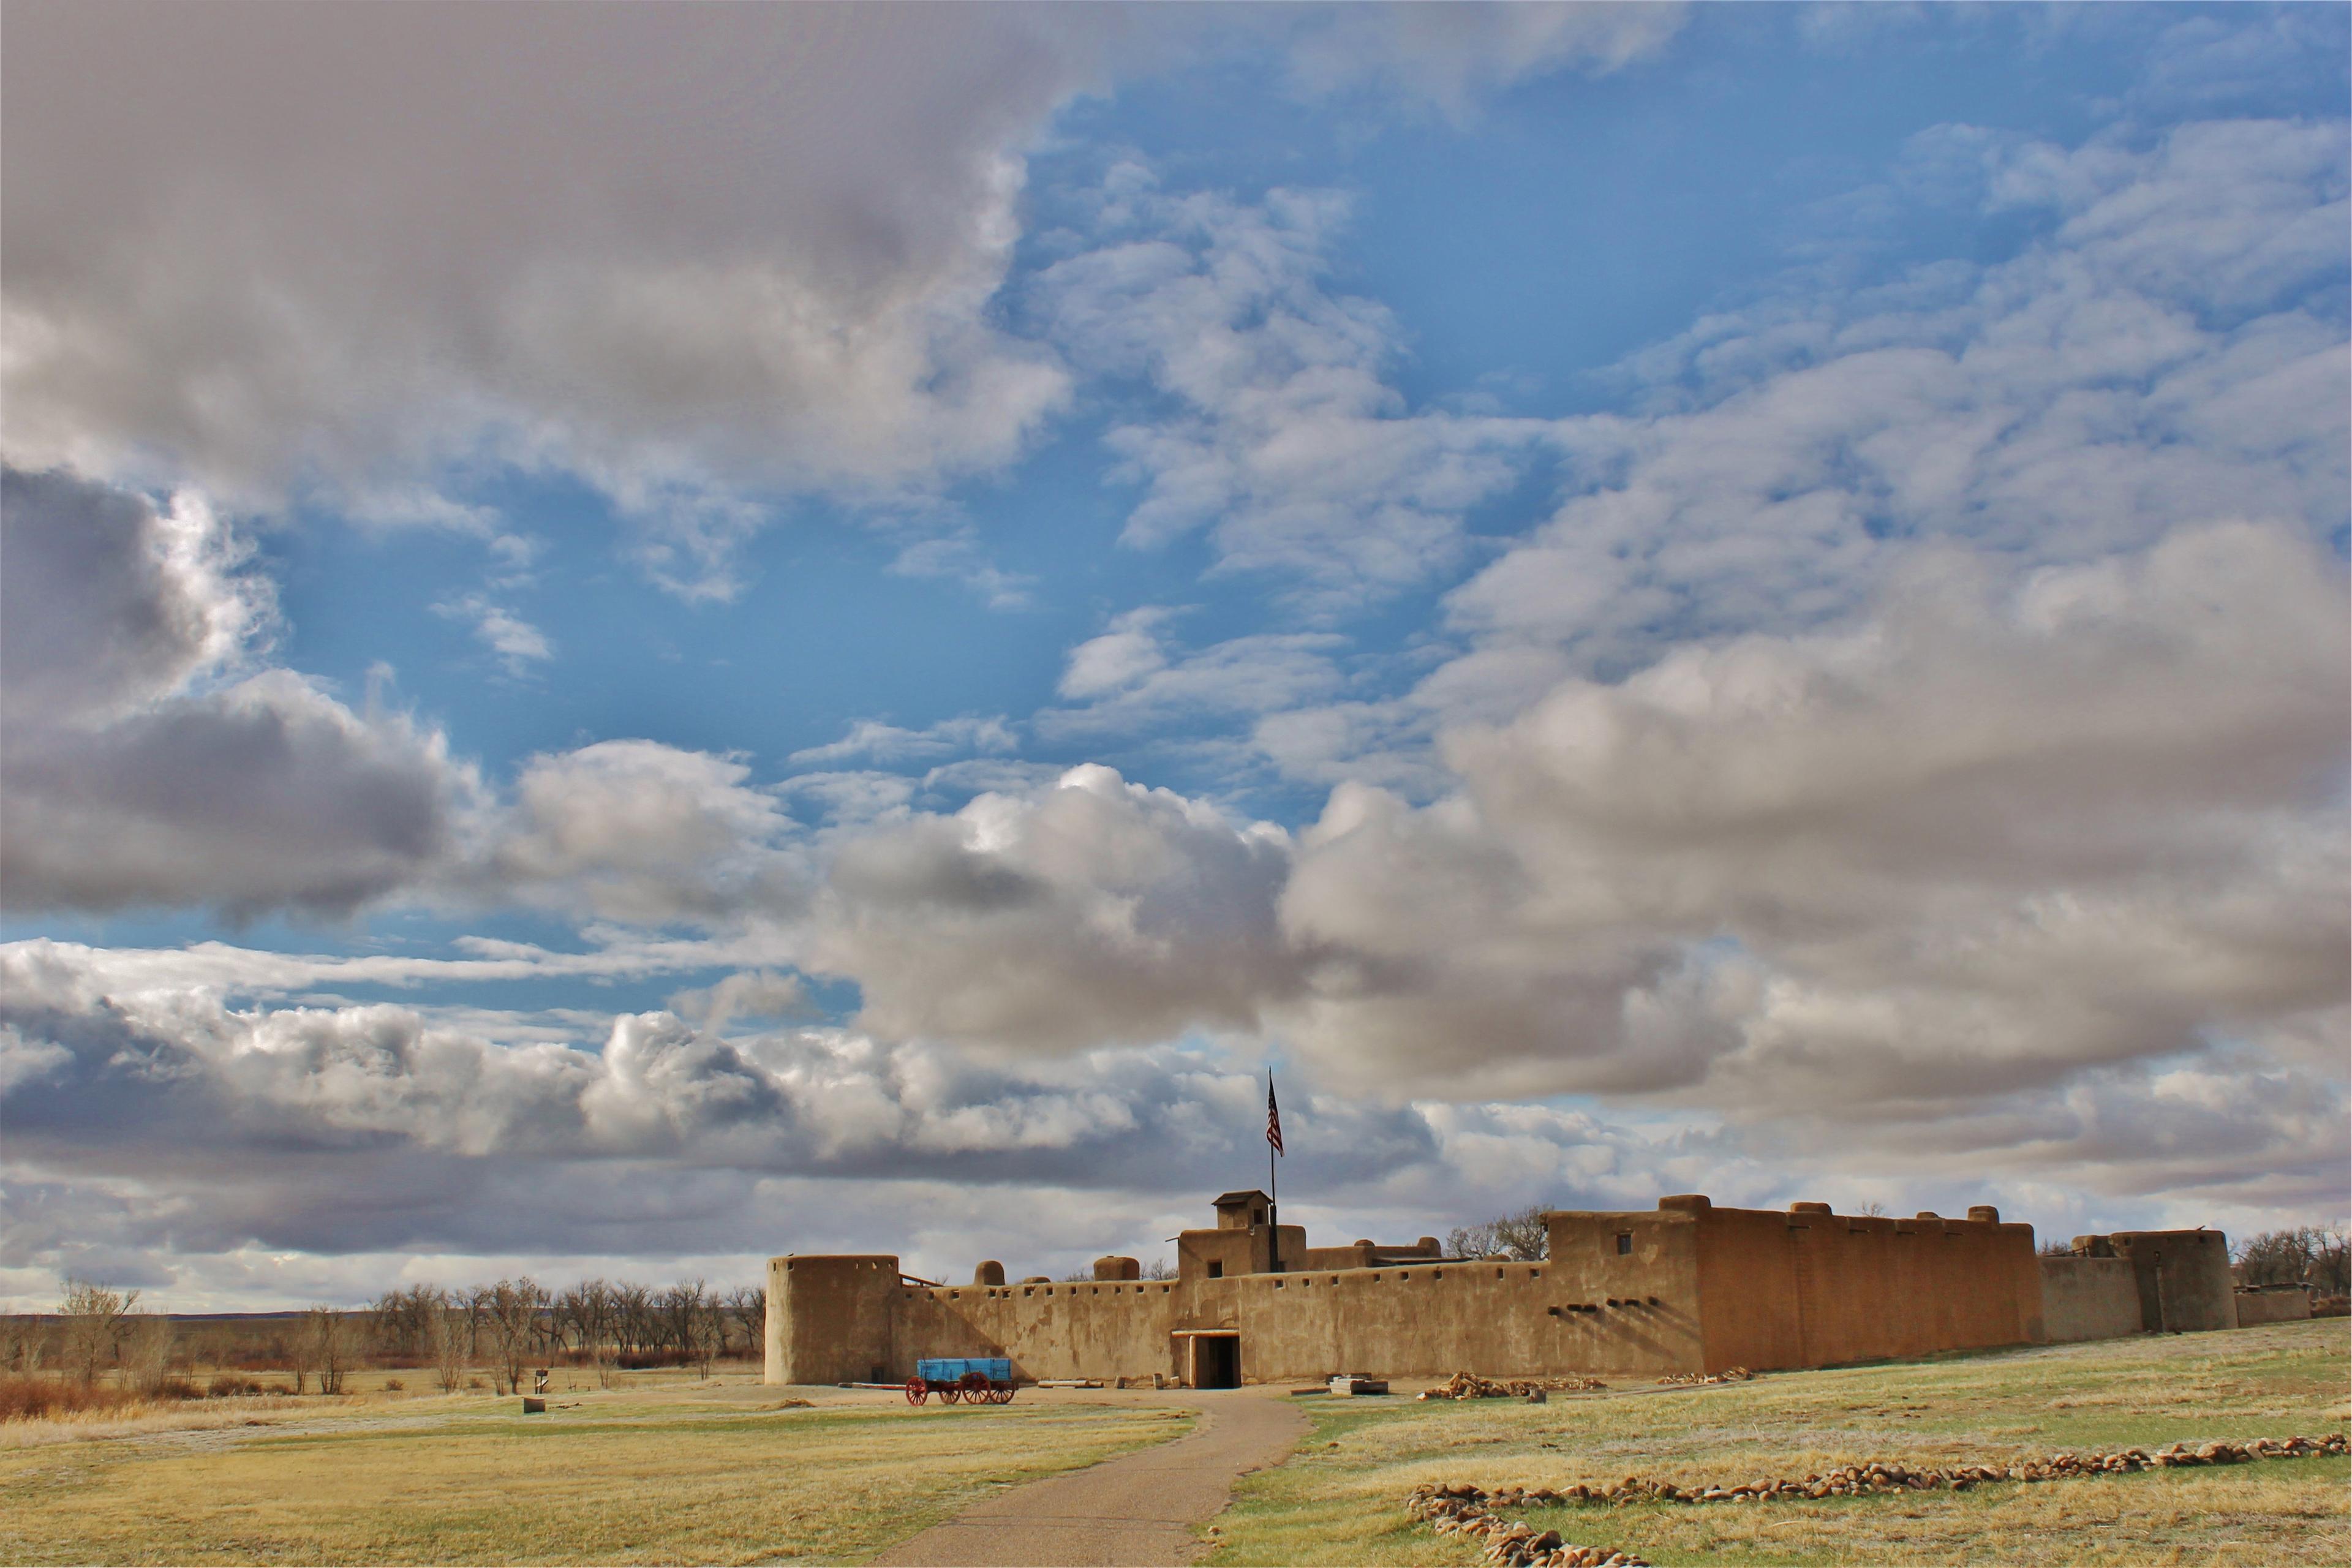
{"x":1137,"y":1510}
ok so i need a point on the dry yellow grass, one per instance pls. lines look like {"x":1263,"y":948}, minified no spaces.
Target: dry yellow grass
{"x":692,"y":1474}
{"x":1338,"y":1500}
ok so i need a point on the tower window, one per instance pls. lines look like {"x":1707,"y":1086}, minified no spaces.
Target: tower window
{"x":1625,"y":1243}
{"x":1217,"y":1268}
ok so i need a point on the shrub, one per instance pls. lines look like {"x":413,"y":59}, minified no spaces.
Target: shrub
{"x":24,"y":1398}
{"x":394,"y":1385}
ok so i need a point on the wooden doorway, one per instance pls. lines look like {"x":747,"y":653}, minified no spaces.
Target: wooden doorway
{"x":1216,"y":1361}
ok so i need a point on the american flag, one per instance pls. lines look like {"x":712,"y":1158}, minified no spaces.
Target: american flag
{"x":1273,"y":1117}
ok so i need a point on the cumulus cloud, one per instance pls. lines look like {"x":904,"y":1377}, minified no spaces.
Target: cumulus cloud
{"x":1286,"y":442}
{"x":636,"y":830}
{"x":138,"y":770}
{"x":1988,"y":839}
{"x":1091,"y":913}
{"x":778,"y":284}
{"x":2170,"y":352}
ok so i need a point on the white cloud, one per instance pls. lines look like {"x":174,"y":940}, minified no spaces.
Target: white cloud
{"x":635,"y":830}
{"x":891,"y":744}
{"x":1988,"y":840}
{"x":1454,"y":55}
{"x":250,"y":259}
{"x":1286,"y":442}
{"x":2169,"y":355}
{"x":134,"y":777}
{"x":517,"y":644}
{"x":1090,"y":913}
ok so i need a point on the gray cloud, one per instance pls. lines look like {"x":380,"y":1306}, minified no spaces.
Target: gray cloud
{"x":136,"y":772}
{"x":1988,"y":839}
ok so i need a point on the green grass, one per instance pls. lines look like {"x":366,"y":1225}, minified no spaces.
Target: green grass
{"x":704,"y":1477}
{"x":1338,"y":1501}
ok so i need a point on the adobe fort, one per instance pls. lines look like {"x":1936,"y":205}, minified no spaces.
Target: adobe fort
{"x":1685,"y":1287}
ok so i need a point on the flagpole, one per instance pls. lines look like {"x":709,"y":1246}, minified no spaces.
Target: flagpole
{"x":1273,"y":1188}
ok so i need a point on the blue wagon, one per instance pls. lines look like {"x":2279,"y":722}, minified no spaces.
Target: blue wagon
{"x":982,"y":1380}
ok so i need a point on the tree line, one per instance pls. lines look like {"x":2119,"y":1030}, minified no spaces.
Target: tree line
{"x":504,"y":1328}
{"x":2308,"y":1255}
{"x":513,"y":1324}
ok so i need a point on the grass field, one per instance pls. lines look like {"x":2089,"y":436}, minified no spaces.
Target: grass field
{"x":1338,"y":1501}
{"x":692,"y":1474}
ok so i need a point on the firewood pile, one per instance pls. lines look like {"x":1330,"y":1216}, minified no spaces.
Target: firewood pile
{"x":1698,"y":1379}
{"x":1458,"y":1507}
{"x":1469,"y":1386}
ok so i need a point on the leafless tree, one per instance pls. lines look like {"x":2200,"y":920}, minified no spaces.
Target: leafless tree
{"x":323,"y":1349}
{"x":508,"y":1313}
{"x":1521,"y":1234}
{"x":23,"y":1346}
{"x":93,"y":1326}
{"x":635,"y":1318}
{"x":691,"y":1323}
{"x":587,"y":1311}
{"x":1160,"y":1269}
{"x":2309,"y":1255}
{"x":404,"y":1320}
{"x":449,"y":1343}
{"x":146,"y":1350}
{"x":747,"y":1305}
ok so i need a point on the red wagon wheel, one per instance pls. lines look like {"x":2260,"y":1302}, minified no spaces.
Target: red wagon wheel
{"x":916,"y":1389}
{"x":975,"y":1386}
{"x":950,"y":1392}
{"x":1005,"y":1394}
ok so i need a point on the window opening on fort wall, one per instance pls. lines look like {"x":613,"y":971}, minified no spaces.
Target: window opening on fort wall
{"x":1625,"y":1243}
{"x":1217,"y":1268}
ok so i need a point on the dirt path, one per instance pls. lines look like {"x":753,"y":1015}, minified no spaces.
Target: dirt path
{"x":1136,"y":1509}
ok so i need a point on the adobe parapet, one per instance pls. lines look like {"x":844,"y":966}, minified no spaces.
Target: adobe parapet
{"x":1686,"y":1287}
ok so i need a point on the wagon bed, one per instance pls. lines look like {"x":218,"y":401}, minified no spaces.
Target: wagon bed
{"x":980,"y":1380}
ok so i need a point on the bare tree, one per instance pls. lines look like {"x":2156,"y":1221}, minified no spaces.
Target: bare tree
{"x":93,"y":1326}
{"x":1160,"y":1269}
{"x":23,"y":1346}
{"x":450,"y":1342}
{"x":586,"y":1311}
{"x":508,"y":1313}
{"x":404,"y":1320}
{"x":691,"y":1323}
{"x":1521,"y":1234}
{"x":635,"y":1318}
{"x":2309,"y":1255}
{"x":146,"y":1350}
{"x":747,"y":1305}
{"x":323,"y":1348}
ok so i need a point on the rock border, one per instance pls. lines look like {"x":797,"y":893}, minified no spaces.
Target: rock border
{"x":1458,"y":1507}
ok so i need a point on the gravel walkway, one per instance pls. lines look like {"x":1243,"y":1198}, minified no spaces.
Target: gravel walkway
{"x":1135,"y":1509}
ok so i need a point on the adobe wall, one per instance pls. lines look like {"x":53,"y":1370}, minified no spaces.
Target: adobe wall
{"x":2088,"y":1299}
{"x":2183,"y":1277}
{"x":830,"y":1319}
{"x":1811,"y":1288}
{"x":2258,"y":1307}
{"x":1422,"y":1320}
{"x":1685,"y":1288}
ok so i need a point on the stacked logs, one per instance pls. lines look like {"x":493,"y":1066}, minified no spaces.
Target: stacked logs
{"x":1464,"y":1511}
{"x":1468,"y":1385}
{"x":1695,"y":1379}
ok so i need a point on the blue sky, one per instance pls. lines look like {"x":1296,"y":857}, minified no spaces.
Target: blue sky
{"x":862,"y":614}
